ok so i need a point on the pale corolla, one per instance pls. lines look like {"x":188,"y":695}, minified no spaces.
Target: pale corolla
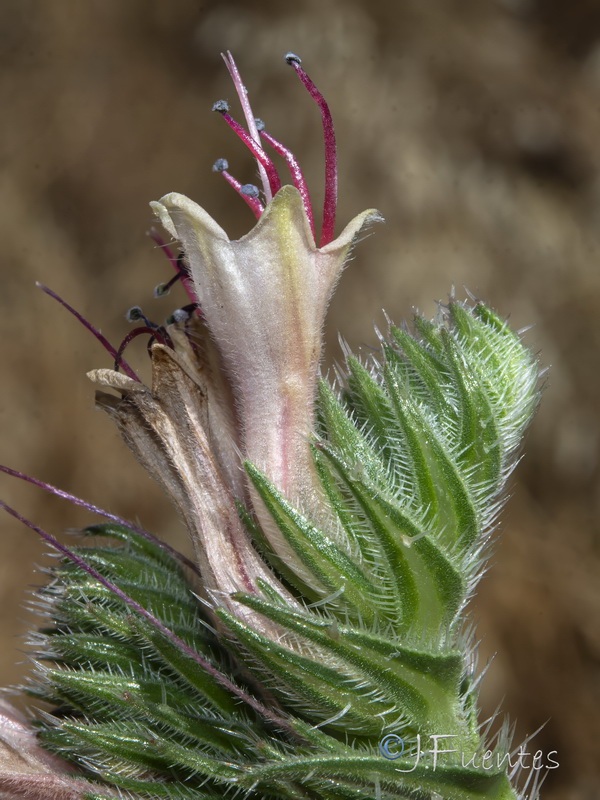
{"x":236,"y":381}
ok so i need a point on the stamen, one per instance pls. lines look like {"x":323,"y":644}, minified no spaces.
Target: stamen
{"x":222,"y":679}
{"x":259,"y":154}
{"x":77,"y":501}
{"x":163,"y":289}
{"x":295,"y":171}
{"x":135,"y":314}
{"x":248,"y":115}
{"x":88,"y":325}
{"x":156,"y":333}
{"x":221,"y":165}
{"x":331,"y":179}
{"x":129,"y":338}
{"x":183,"y":314}
{"x":176,"y":263}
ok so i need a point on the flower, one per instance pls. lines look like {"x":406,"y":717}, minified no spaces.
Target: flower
{"x":235,"y":381}
{"x":382,"y":537}
{"x":264,"y":298}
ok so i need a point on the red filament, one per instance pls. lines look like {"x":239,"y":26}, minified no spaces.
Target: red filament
{"x":155,"y":332}
{"x":331,"y":178}
{"x":267,"y":170}
{"x":297,"y":176}
{"x":255,"y":148}
{"x":253,"y":202}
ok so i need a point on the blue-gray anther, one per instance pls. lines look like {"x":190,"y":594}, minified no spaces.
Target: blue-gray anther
{"x":134,"y":314}
{"x":222,"y":106}
{"x":250,"y":190}
{"x":161,"y":290}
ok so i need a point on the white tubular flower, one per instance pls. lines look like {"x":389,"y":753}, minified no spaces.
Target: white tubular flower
{"x":234,"y":378}
{"x":264,"y":298}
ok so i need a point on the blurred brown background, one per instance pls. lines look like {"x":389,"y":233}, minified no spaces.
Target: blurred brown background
{"x":474,"y":126}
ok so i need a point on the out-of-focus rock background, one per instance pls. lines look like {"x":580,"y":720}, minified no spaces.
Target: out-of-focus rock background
{"x":473,"y":125}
